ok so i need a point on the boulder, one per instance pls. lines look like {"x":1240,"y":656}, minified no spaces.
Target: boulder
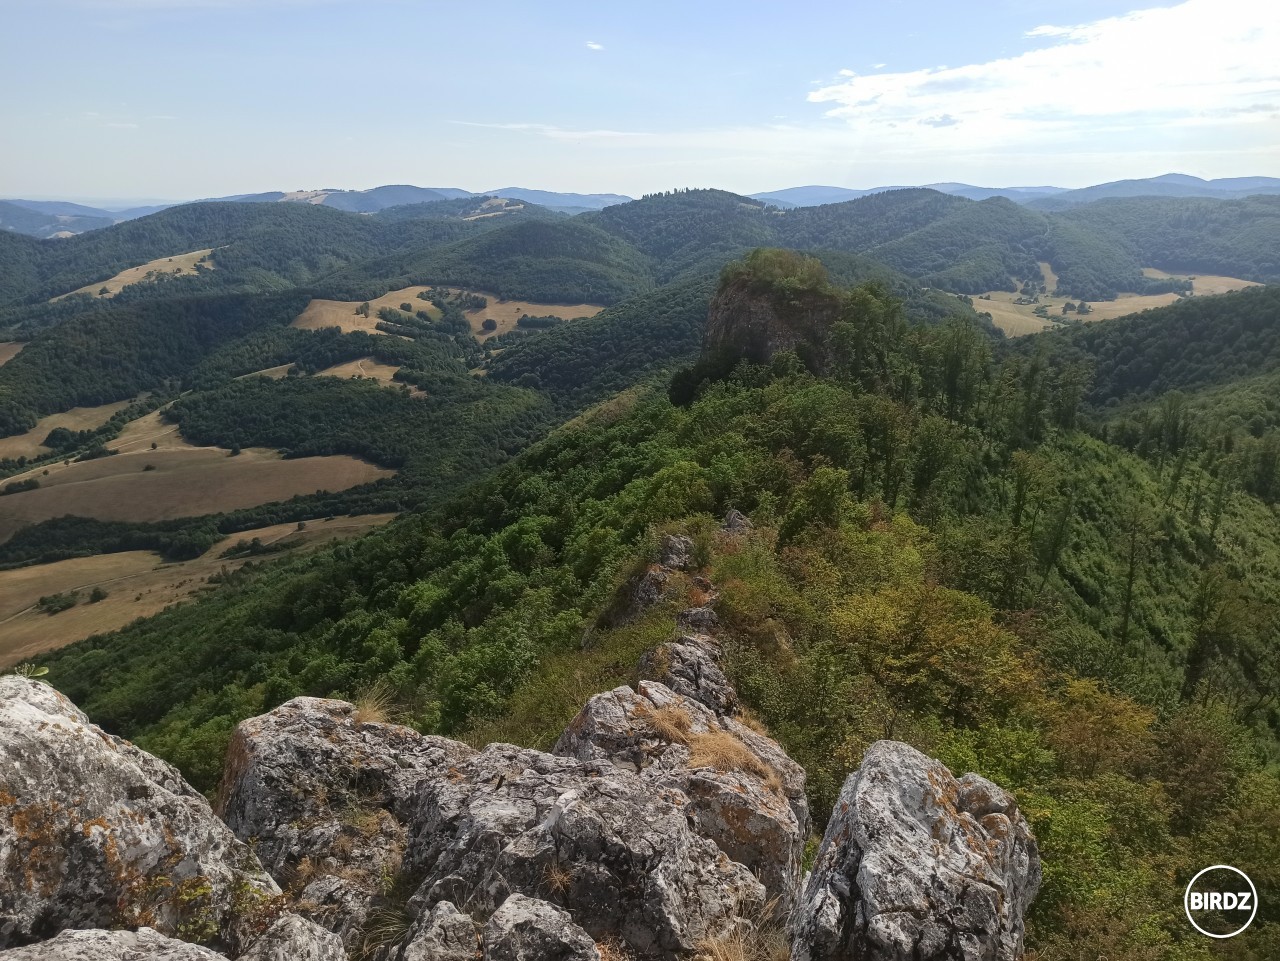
{"x":736,"y":522}
{"x":95,"y":945}
{"x":100,"y":834}
{"x":699,"y":620}
{"x":323,"y":794}
{"x":918,"y":864}
{"x":615,"y":851}
{"x":442,"y":934}
{"x":687,"y":665}
{"x":293,"y":938}
{"x":526,"y":929}
{"x":740,"y":789}
{"x":676,"y":552}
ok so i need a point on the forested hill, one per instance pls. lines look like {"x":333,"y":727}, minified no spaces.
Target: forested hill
{"x":939,"y":554}
{"x":943,"y":241}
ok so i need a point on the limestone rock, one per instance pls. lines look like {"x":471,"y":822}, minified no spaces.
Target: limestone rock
{"x":100,"y":834}
{"x":751,"y":321}
{"x":918,"y":864}
{"x":443,"y":934}
{"x":700,"y":620}
{"x":736,"y":522}
{"x":324,"y":795}
{"x":526,"y":929}
{"x":676,"y":552}
{"x":741,"y":789}
{"x":605,"y":845}
{"x":96,"y":945}
{"x":688,"y":666}
{"x":293,"y":938}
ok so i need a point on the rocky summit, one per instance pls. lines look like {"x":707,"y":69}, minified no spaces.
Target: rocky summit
{"x":661,"y":826}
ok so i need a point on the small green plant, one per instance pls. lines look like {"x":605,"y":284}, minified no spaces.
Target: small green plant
{"x":29,"y":670}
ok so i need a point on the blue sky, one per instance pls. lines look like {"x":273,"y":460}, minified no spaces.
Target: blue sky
{"x":187,"y":98}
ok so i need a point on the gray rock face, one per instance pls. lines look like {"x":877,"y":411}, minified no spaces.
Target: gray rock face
{"x":100,"y":834}
{"x":526,"y":929}
{"x":111,"y":946}
{"x":602,"y":843}
{"x":292,"y":938}
{"x":918,"y":864}
{"x":676,"y":552}
{"x":741,"y":790}
{"x":699,"y":620}
{"x":325,"y":795}
{"x":754,"y":323}
{"x":443,"y":934}
{"x":688,"y":666}
{"x":736,"y":522}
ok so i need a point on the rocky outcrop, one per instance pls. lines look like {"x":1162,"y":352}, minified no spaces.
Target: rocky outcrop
{"x":442,"y":934}
{"x":323,"y":795}
{"x":918,"y":864}
{"x":144,"y":943}
{"x":741,"y":790}
{"x":526,"y":929}
{"x":292,"y":938}
{"x":99,"y":834}
{"x":753,"y":322}
{"x":689,"y":666}
{"x":598,"y":841}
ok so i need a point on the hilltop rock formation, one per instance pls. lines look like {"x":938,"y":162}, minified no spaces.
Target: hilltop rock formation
{"x":752,"y":318}
{"x":918,"y":864}
{"x":740,"y":789}
{"x":598,"y":841}
{"x":324,"y":796}
{"x":98,"y":834}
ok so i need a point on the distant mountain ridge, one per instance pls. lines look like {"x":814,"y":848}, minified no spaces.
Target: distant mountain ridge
{"x":1045,"y":197}
{"x":50,"y":218}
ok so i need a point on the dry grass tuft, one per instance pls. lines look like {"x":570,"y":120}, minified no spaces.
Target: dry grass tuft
{"x":306,"y":872}
{"x":558,"y":877}
{"x":760,"y":937}
{"x":614,"y":949}
{"x":374,"y":703}
{"x":671,"y":723}
{"x":724,"y":752}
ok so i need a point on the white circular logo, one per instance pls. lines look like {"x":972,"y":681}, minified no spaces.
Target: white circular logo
{"x":1223,"y":895}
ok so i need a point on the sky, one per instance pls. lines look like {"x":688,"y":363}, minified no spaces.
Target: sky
{"x":181,"y":99}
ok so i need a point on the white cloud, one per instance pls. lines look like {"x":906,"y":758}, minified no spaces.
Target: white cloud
{"x":1200,"y":64}
{"x":592,"y":45}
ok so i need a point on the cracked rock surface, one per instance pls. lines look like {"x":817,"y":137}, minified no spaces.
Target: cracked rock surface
{"x":95,"y":833}
{"x":917,"y":864}
{"x":599,"y":842}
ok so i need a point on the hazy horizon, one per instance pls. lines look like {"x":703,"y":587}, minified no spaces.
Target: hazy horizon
{"x":177,"y":100}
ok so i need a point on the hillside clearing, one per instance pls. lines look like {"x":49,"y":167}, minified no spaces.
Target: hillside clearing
{"x":365,"y":367}
{"x":321,"y":314}
{"x":31,"y":444}
{"x":1017,"y":320}
{"x":273,"y":373}
{"x":179,"y":264}
{"x":183,"y":483}
{"x":137,"y":583}
{"x":504,"y":313}
{"x":1204,"y":284}
{"x":9,"y":349}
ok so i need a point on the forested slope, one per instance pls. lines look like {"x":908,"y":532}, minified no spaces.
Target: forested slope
{"x":940,"y":555}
